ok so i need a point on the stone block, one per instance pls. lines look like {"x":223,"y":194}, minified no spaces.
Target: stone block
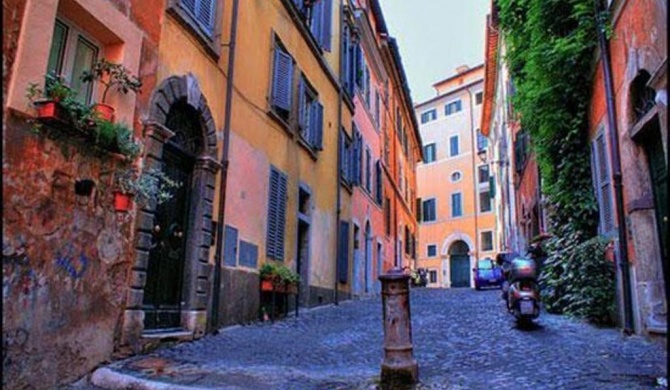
{"x":134,"y":298}
{"x":138,"y":279}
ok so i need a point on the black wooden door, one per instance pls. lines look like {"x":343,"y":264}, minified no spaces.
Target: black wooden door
{"x":659,"y":178}
{"x":165,"y":274}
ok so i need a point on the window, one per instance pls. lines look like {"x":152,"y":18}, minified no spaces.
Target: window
{"x":346,"y":160}
{"x":378,"y":182}
{"x":487,"y":241}
{"x":456,"y":176}
{"x":602,"y":183}
{"x":521,"y":150}
{"x":432,"y":276}
{"x":456,"y":205}
{"x":321,"y":15}
{"x":368,"y":169}
{"x":482,"y":142}
{"x":431,"y":250}
{"x":310,"y":115}
{"x":483,"y":174}
{"x":453,"y":146}
{"x":429,"y":153}
{"x":276,"y":214}
{"x":429,"y":210}
{"x":428,"y":116}
{"x":387,"y":216}
{"x":484,"y":201}
{"x":71,"y":54}
{"x":453,"y":107}
{"x":282,"y":82}
{"x":202,"y":12}
{"x":479,"y":97}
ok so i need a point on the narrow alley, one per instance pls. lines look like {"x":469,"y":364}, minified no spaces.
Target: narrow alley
{"x":463,"y":339}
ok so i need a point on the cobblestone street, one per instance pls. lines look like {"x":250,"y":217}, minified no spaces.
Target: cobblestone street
{"x":462,"y":340}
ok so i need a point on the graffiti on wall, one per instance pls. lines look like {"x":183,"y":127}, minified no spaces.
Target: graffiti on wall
{"x":73,"y":265}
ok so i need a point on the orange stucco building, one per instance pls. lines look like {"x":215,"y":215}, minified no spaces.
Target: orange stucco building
{"x":457,"y":218}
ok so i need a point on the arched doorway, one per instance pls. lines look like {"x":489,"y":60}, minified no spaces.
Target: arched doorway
{"x":170,"y":280}
{"x":163,"y":291}
{"x":459,"y":264}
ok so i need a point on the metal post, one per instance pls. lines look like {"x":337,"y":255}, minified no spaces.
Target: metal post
{"x":398,"y":366}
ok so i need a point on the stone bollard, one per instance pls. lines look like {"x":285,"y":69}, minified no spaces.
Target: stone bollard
{"x":398,"y":366}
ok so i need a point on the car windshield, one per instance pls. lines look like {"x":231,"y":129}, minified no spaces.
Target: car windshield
{"x":485,"y":264}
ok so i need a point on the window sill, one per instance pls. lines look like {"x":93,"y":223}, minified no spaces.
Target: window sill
{"x":308,"y":148}
{"x":282,"y":122}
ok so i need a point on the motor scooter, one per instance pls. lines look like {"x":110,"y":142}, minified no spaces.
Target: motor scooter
{"x":521,"y":291}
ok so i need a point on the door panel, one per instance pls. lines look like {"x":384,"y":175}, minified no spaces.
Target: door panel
{"x":460,"y":271}
{"x":163,"y":290}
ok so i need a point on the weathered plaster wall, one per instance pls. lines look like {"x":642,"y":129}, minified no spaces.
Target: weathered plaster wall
{"x":65,"y":260}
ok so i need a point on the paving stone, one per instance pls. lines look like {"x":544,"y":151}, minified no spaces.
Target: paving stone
{"x":462,"y":338}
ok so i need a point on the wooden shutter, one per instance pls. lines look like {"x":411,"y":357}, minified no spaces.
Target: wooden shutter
{"x":378,"y":182}
{"x":316,"y":22}
{"x":230,"y":247}
{"x":326,"y":26}
{"x":202,"y":11}
{"x":282,"y":79}
{"x":276,"y":214}
{"x":604,"y":185}
{"x":316,"y":125}
{"x":343,"y":253}
{"x":346,"y":74}
{"x":419,"y":204}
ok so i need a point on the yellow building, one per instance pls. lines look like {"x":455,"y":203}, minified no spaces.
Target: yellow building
{"x":457,"y":219}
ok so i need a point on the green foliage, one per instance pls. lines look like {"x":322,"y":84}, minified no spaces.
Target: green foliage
{"x":117,"y":136}
{"x":278,"y":273}
{"x":577,"y":280}
{"x":112,"y":75}
{"x":151,"y":185}
{"x":56,"y":89}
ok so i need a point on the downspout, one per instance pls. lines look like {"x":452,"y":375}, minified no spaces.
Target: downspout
{"x":475,"y":179}
{"x":615,"y":162}
{"x":224,"y":167}
{"x":339,"y":162}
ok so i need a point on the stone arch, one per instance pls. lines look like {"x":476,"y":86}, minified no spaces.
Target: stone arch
{"x":184,"y":92}
{"x":453,"y":237}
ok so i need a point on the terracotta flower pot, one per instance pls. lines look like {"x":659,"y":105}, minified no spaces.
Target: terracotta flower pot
{"x":104,"y":111}
{"x":47,"y":109}
{"x":267,"y":285}
{"x":122,"y":201}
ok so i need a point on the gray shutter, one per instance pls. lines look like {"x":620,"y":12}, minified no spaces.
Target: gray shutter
{"x":271,"y":237}
{"x":604,"y":185}
{"x":189,"y":5}
{"x":316,"y":116}
{"x":281,"y":215}
{"x":282,"y":79}
{"x":345,"y":54}
{"x":343,"y":253}
{"x":326,"y":27}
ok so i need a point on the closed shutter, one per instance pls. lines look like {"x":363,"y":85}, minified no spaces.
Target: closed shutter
{"x":202,"y":11}
{"x":276,"y":214}
{"x":327,"y":24}
{"x":316,"y":22}
{"x":418,"y":209}
{"x":604,"y":185}
{"x":346,"y":74}
{"x":343,"y":253}
{"x":492,"y":186}
{"x":316,"y":125}
{"x":356,"y":159}
{"x":359,"y":69}
{"x":282,"y":79}
{"x":379,"y":181}
{"x":230,"y":247}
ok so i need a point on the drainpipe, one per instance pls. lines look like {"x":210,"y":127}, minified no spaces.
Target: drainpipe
{"x":339,"y":162}
{"x":475,"y":179}
{"x":615,"y":163}
{"x":224,"y":167}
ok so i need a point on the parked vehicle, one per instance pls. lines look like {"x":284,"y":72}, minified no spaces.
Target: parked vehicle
{"x":521,"y":291}
{"x":487,"y":274}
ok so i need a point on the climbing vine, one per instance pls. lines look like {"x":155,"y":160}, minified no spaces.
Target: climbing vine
{"x":550,"y":52}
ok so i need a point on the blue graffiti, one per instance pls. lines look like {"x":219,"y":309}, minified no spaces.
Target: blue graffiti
{"x":68,"y":263}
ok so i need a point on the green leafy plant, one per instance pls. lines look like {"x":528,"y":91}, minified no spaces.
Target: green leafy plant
{"x":150,"y":185}
{"x":115,"y":135}
{"x":57,"y":90}
{"x":112,"y":75}
{"x":278,"y":273}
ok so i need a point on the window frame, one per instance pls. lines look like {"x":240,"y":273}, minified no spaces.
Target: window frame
{"x":424,"y":214}
{"x":458,"y":107}
{"x":481,"y":193}
{"x":428,"y":250}
{"x":430,"y":115}
{"x":211,"y":41}
{"x":481,"y":240}
{"x":460,"y":205}
{"x":426,"y":154}
{"x":460,"y":176}
{"x":451,"y":145}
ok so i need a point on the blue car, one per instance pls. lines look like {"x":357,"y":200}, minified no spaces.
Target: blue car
{"x":487,"y":274}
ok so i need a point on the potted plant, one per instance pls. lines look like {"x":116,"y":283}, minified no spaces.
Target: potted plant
{"x":58,"y":102}
{"x":150,"y":185}
{"x":269,"y":276}
{"x":117,"y":137}
{"x":111,"y":75}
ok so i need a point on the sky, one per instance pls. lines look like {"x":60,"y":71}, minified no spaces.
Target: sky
{"x":435,"y":37}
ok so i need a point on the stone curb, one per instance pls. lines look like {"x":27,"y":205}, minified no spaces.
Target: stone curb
{"x":110,"y":379}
